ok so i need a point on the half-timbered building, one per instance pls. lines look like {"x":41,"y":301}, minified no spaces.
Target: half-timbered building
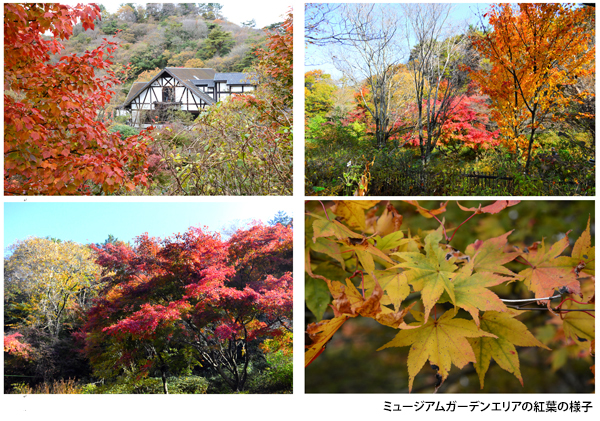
{"x":189,"y":90}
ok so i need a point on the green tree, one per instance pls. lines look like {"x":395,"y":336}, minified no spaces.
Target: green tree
{"x":218,"y":42}
{"x":318,"y":93}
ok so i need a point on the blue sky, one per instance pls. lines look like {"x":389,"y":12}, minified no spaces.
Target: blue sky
{"x":462,"y":13}
{"x":85,"y":222}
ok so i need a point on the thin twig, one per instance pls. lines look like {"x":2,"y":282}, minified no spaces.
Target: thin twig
{"x":324,"y":210}
{"x":559,"y":310}
{"x":530,"y":300}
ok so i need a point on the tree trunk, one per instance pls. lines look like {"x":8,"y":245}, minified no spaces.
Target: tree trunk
{"x":531,"y":139}
{"x":164,"y":381}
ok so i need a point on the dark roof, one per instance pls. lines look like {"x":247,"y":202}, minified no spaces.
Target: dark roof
{"x":236,"y":78}
{"x":135,"y":90}
{"x":189,"y":74}
{"x":200,"y":82}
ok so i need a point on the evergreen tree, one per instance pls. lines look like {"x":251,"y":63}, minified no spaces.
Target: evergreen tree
{"x":281,"y":218}
{"x":218,"y":42}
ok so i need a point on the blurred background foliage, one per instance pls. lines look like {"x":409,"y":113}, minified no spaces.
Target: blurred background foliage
{"x":351,"y":364}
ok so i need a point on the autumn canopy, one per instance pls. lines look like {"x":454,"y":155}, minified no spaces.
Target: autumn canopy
{"x":54,"y":143}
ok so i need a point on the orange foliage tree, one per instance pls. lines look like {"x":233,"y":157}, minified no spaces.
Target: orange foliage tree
{"x":535,"y":52}
{"x":53,"y":143}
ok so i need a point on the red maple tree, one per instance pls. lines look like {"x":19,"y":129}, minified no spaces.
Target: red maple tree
{"x":194,"y":297}
{"x":465,"y":125}
{"x":53,"y":143}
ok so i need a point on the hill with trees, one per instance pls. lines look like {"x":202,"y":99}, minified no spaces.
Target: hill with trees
{"x":156,"y":35}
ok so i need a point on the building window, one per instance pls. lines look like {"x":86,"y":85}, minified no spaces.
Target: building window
{"x":168,"y":94}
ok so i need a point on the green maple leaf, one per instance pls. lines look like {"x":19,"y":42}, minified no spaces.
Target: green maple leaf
{"x":579,"y":325}
{"x":443,"y":342}
{"x":431,"y":273}
{"x":323,"y":227}
{"x":328,"y":247}
{"x":508,"y":333}
{"x":472,"y":294}
{"x":391,"y":241}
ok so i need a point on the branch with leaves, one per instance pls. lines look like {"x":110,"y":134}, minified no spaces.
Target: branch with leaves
{"x":443,"y":301}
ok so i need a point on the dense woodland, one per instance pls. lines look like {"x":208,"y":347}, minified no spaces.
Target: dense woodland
{"x":63,"y":137}
{"x":423,"y":99}
{"x":192,"y":313}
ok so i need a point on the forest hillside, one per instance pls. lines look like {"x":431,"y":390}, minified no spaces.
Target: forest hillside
{"x":154,"y":36}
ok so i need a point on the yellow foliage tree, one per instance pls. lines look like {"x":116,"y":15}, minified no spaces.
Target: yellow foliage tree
{"x":147,"y":75}
{"x":178,"y":60}
{"x":193,"y":63}
{"x":47,"y":281}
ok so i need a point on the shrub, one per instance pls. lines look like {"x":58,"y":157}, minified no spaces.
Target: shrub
{"x":58,"y":387}
{"x":152,"y":385}
{"x":124,"y":130}
{"x":277,"y":377}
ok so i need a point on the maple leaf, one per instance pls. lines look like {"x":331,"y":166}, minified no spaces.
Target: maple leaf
{"x":579,"y":325}
{"x":443,"y":342}
{"x":323,"y":227}
{"x":431,"y":273}
{"x":390,"y":241}
{"x":395,"y":284}
{"x":349,"y":302}
{"x":547,"y":270}
{"x":583,"y":253}
{"x":388,"y":223}
{"x":495,"y":207}
{"x":501,"y":347}
{"x":426,"y":212}
{"x":320,"y":333}
{"x":472,"y":294}
{"x":328,"y":247}
{"x":489,"y":255}
{"x":353,"y":212}
{"x":357,"y":243}
{"x":366,"y":252}
{"x":317,"y":296}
